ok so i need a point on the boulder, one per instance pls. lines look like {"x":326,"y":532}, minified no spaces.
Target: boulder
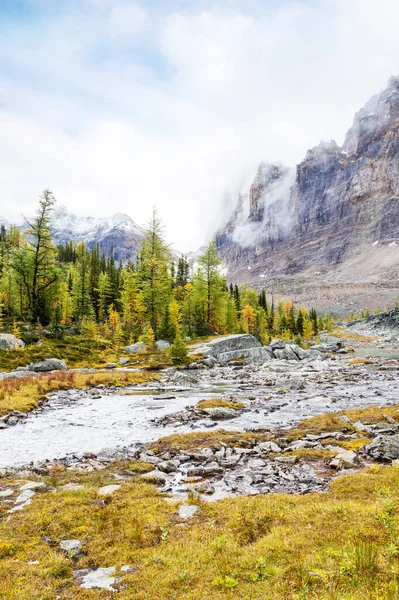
{"x":134,"y":348}
{"x":232,"y":342}
{"x":10,"y":342}
{"x":162,"y":345}
{"x":251,"y":355}
{"x":383,"y":448}
{"x":48,"y":364}
{"x":289,"y":352}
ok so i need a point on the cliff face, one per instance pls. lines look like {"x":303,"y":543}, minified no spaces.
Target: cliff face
{"x":341,"y":203}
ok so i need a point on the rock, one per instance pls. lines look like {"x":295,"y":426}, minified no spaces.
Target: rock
{"x":123,"y":361}
{"x":32,"y":485}
{"x":279,"y":354}
{"x":96,"y":579}
{"x":251,"y":355}
{"x":19,"y":374}
{"x":167,"y":466}
{"x":384,"y":448}
{"x":220,"y":413}
{"x":325,"y":347}
{"x":202,"y":471}
{"x":287,"y":460}
{"x":162,"y":344}
{"x":289,"y":353}
{"x":134,"y":348}
{"x":48,"y":364}
{"x":187,"y":511}
{"x":108,"y":490}
{"x":306,"y":354}
{"x":111,"y":366}
{"x":229,"y":343}
{"x":9,"y":342}
{"x":277,"y":344}
{"x":71,"y":547}
{"x":389,"y":419}
{"x":6,"y":493}
{"x":266,"y":447}
{"x":361,"y":426}
{"x":204,"y":487}
{"x":345,"y":419}
{"x":209,"y":362}
{"x":345,"y":458}
{"x":154,"y":477}
{"x":24,"y":497}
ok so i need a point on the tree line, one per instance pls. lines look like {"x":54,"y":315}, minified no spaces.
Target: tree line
{"x":155,"y":297}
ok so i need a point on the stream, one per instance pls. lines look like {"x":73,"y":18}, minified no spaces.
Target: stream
{"x":276,"y":395}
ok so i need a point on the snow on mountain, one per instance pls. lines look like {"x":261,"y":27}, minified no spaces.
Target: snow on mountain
{"x":117,"y":231}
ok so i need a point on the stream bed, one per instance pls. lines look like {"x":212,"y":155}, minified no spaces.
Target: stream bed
{"x":277,"y":395}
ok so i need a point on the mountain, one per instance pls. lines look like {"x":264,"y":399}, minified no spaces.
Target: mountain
{"x":118,"y":231}
{"x":326,"y":232}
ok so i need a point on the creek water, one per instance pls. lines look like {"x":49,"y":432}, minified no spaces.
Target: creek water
{"x":75,"y":422}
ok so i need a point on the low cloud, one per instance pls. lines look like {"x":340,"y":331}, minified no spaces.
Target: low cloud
{"x":119,"y":106}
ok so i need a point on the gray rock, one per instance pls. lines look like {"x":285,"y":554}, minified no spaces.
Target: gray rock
{"x":220,"y":413}
{"x":162,"y":344}
{"x":108,"y":490}
{"x":232,"y":342}
{"x":111,"y":366}
{"x":251,"y":355}
{"x":154,"y":477}
{"x":167,"y":466}
{"x":134,"y":348}
{"x":123,"y":361}
{"x":48,"y":364}
{"x":384,"y":448}
{"x":289,"y":352}
{"x":277,"y":344}
{"x":9,"y":342}
{"x":71,"y":547}
{"x":96,"y":579}
{"x":19,"y":375}
{"x":187,"y":511}
{"x":266,"y":447}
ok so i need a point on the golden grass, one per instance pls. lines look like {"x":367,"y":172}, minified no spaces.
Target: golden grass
{"x":25,"y":394}
{"x":360,"y":361}
{"x":219,"y":403}
{"x":339,"y":545}
{"x":207,"y":439}
{"x":344,"y":333}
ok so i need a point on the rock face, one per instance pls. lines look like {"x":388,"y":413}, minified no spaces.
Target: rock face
{"x":383,"y":324}
{"x":339,"y":214}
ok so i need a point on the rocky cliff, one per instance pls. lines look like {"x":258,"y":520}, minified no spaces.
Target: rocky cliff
{"x":332,"y":225}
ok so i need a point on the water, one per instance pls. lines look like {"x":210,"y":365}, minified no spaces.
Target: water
{"x":68,"y":425}
{"x":364,"y":351}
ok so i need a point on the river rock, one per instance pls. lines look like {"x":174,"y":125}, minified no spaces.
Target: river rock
{"x":162,"y":344}
{"x":251,"y":355}
{"x":155,"y":477}
{"x":384,"y":448}
{"x":48,"y":364}
{"x":134,"y":348}
{"x":220,"y":413}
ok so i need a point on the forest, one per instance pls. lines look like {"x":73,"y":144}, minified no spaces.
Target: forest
{"x":157,"y":296}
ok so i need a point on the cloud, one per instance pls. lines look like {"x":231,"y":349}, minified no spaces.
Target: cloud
{"x":121,"y":105}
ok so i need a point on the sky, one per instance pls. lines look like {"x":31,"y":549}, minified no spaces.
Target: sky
{"x":122,"y":105}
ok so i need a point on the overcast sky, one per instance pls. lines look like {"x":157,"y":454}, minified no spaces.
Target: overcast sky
{"x":119,"y":105}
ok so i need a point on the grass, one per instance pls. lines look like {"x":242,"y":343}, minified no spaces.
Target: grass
{"x":344,"y":333}
{"x":25,"y":394}
{"x":207,"y":439}
{"x":80,"y":352}
{"x":219,"y":403}
{"x":340,"y":545}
